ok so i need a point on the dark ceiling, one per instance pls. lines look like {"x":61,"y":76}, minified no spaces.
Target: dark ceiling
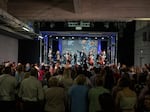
{"x":93,"y":10}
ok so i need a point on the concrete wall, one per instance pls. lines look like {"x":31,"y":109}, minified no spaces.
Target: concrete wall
{"x":8,"y":49}
{"x":142,"y":43}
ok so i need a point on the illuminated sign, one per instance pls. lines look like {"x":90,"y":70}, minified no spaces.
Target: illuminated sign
{"x":79,"y":24}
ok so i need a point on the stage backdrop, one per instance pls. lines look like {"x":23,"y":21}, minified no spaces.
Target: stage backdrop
{"x":80,"y":44}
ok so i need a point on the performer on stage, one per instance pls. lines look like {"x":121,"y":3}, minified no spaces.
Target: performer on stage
{"x":75,"y":58}
{"x":58,"y":56}
{"x":102,"y":57}
{"x":67,"y":57}
{"x":91,"y":58}
{"x":82,"y":57}
{"x":50,"y":55}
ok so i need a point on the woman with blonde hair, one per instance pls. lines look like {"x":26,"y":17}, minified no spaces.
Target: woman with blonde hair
{"x":54,"y":97}
{"x":126,"y":99}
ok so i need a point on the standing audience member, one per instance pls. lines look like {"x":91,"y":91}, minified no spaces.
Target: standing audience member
{"x":66,"y":78}
{"x":67,"y":82}
{"x":19,"y":75}
{"x":41,"y":73}
{"x":107,"y":103}
{"x":27,"y":67}
{"x":78,"y":95}
{"x":31,"y":93}
{"x":109,"y":78}
{"x":144,"y":98}
{"x":55,"y":97}
{"x":94,"y":93}
{"x":7,"y":91}
{"x":126,"y":99}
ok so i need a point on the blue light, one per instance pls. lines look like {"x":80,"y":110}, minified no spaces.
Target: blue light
{"x":99,"y":46}
{"x":45,"y":36}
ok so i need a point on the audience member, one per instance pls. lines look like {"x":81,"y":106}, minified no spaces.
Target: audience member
{"x":55,"y":97}
{"x":8,"y":86}
{"x":126,"y":99}
{"x":94,"y":93}
{"x":31,"y":93}
{"x":78,"y":95}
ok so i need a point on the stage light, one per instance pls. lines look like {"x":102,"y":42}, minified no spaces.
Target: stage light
{"x":96,"y":38}
{"x":78,"y":28}
{"x":26,"y":29}
{"x":63,"y":37}
{"x":102,"y":38}
{"x":86,"y":37}
{"x":40,"y":37}
{"x":72,"y":37}
{"x":56,"y":37}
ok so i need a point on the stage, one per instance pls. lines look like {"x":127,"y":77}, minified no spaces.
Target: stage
{"x":75,"y":42}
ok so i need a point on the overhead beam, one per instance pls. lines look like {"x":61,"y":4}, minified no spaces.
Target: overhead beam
{"x":15,"y":26}
{"x":11,"y":33}
{"x":77,"y":6}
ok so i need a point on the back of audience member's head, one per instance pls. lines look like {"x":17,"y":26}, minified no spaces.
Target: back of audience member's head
{"x":124,"y":82}
{"x":60,"y":71}
{"x":99,"y":80}
{"x":81,"y":79}
{"x":27,"y":74}
{"x":7,"y":70}
{"x":97,"y":70}
{"x":20,"y":68}
{"x":1,"y":69}
{"x":33,"y":72}
{"x":107,"y":102}
{"x":42,"y":67}
{"x":53,"y":82}
{"x":67,"y":73}
{"x":27,"y":67}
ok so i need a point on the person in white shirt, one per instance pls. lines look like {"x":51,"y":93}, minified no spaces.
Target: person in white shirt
{"x":31,"y":93}
{"x":8,"y":86}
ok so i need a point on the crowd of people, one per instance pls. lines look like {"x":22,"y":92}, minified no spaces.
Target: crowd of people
{"x":74,"y":88}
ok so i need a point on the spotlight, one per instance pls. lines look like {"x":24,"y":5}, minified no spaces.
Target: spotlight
{"x":56,"y":37}
{"x":72,"y":37}
{"x":63,"y":37}
{"x":96,"y":38}
{"x":102,"y":38}
{"x":86,"y":37}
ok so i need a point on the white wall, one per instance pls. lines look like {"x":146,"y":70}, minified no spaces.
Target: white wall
{"x":8,"y":49}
